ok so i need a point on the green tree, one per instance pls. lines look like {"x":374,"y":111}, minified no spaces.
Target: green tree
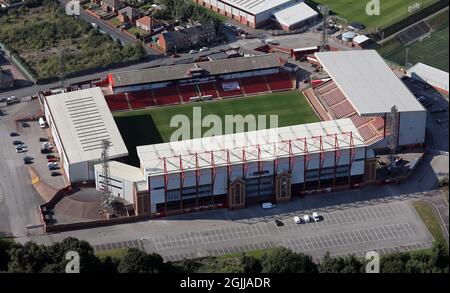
{"x":136,"y":261}
{"x":250,"y":264}
{"x":282,"y":260}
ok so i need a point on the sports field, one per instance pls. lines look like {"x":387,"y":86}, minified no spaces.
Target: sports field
{"x":432,"y":51}
{"x":391,"y":11}
{"x":152,"y":126}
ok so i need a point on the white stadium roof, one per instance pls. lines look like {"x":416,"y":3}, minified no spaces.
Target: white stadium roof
{"x":256,"y":6}
{"x":123,"y":171}
{"x":295,"y":14}
{"x":82,"y":120}
{"x":273,"y":143}
{"x":368,"y":82}
{"x":435,"y":77}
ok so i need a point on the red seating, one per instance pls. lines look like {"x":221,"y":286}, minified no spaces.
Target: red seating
{"x":358,"y":120}
{"x":208,"y":89}
{"x":279,"y":82}
{"x":343,"y":109}
{"x":141,"y":99}
{"x":326,"y":87}
{"x":366,"y":132}
{"x":187,"y":92}
{"x":226,"y":94}
{"x":254,"y":85}
{"x":117,"y":102}
{"x":333,"y":97}
{"x":378,"y":123}
{"x":309,"y":94}
{"x":167,"y":96}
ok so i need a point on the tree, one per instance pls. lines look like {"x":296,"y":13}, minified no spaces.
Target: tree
{"x":136,"y":261}
{"x":250,"y":264}
{"x":439,"y":258}
{"x":5,"y":257}
{"x":282,"y":260}
{"x":346,"y":264}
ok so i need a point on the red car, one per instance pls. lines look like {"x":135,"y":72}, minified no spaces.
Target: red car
{"x":52,"y":160}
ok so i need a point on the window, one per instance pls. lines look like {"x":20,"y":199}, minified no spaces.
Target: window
{"x":284,"y":187}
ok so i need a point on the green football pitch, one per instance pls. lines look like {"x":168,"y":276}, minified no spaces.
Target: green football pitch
{"x":151,"y":126}
{"x":391,"y":11}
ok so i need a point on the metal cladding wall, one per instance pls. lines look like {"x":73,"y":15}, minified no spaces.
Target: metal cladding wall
{"x":119,"y":187}
{"x":412,"y":127}
{"x":159,"y":183}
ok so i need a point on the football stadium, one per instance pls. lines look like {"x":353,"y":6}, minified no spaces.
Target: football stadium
{"x":326,"y":137}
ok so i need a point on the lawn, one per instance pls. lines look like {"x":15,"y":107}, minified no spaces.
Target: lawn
{"x":432,"y":51}
{"x":115,"y":21}
{"x":152,"y":126}
{"x":431,"y":219}
{"x":118,"y":253}
{"x":135,"y":30}
{"x":391,"y":11}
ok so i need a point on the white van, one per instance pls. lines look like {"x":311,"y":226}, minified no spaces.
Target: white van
{"x":41,"y":122}
{"x":268,"y":205}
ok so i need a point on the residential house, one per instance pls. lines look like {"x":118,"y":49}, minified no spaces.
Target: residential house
{"x":189,"y":38}
{"x":6,"y":79}
{"x":128,"y":14}
{"x":146,"y":23}
{"x":112,"y":5}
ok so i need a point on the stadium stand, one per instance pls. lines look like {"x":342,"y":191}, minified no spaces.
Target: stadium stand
{"x":378,"y":123}
{"x":316,"y":105}
{"x":279,"y":82}
{"x":342,"y":109}
{"x":413,"y":33}
{"x":141,"y":99}
{"x":187,"y":92}
{"x":254,"y":85}
{"x":117,"y":102}
{"x":333,"y":97}
{"x":359,"y":121}
{"x":229,"y":93}
{"x":167,"y":96}
{"x":366,"y":132}
{"x":208,"y":88}
{"x":326,"y":87}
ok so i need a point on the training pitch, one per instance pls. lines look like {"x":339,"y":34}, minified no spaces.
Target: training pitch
{"x":150,"y":126}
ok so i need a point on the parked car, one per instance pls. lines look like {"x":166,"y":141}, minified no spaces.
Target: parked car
{"x":21,"y":146}
{"x":52,"y":168}
{"x":268,"y":205}
{"x":42,"y":139}
{"x":52,"y":164}
{"x":297,"y":220}
{"x":14,"y":134}
{"x":50,"y":156}
{"x":52,"y":160}
{"x":17,"y":142}
{"x":45,"y":151}
{"x":316,"y":216}
{"x":56,"y":174}
{"x":204,"y":49}
{"x":27,"y":162}
{"x":193,"y":52}
{"x":24,"y":124}
{"x":21,"y":150}
{"x":306,"y":218}
{"x":279,"y":223}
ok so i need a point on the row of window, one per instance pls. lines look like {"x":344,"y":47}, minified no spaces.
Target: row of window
{"x":189,"y":192}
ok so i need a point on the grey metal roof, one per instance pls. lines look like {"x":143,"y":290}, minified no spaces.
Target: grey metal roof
{"x":177,"y":72}
{"x":368,"y":82}
{"x":192,"y":31}
{"x":256,"y":6}
{"x":82,"y":119}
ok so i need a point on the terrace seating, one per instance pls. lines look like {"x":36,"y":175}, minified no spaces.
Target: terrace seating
{"x":309,"y":94}
{"x":254,"y":85}
{"x":342,"y":109}
{"x":187,"y":92}
{"x":141,"y":99}
{"x":226,"y":94}
{"x":333,"y":97}
{"x":167,"y":96}
{"x":366,"y":132}
{"x":326,"y":87}
{"x":279,"y":82}
{"x":117,"y":102}
{"x":378,"y":123}
{"x":358,"y":120}
{"x":208,"y":89}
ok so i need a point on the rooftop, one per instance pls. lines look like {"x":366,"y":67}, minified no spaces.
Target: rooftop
{"x":256,"y":6}
{"x":273,"y":143}
{"x":82,"y":120}
{"x":123,"y":171}
{"x":177,"y":72}
{"x":430,"y":74}
{"x":367,"y":82}
{"x":294,"y":14}
{"x":182,"y":34}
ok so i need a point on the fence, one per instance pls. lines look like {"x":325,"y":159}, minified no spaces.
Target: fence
{"x":18,"y":62}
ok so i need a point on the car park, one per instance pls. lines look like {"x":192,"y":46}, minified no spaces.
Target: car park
{"x":297,"y":220}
